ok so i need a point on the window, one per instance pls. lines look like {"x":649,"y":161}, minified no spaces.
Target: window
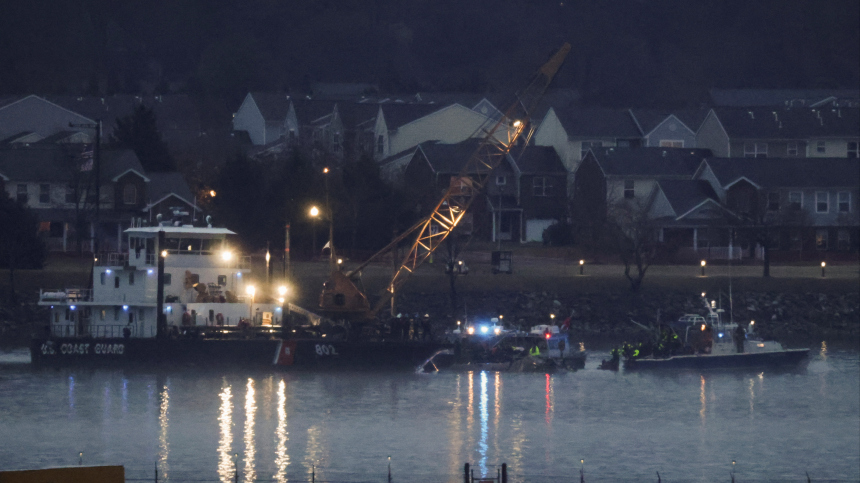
{"x":541,"y":186}
{"x":843,"y":240}
{"x":141,"y":315}
{"x":822,"y":202}
{"x":336,"y":142}
{"x":853,"y":149}
{"x":380,"y":144}
{"x":104,"y":277}
{"x":70,"y":195}
{"x":116,"y":281}
{"x":167,"y":278}
{"x":44,"y":193}
{"x":773,"y":201}
{"x":795,"y":200}
{"x":629,"y":189}
{"x":22,"y":193}
{"x":131,"y":278}
{"x":103,"y":314}
{"x":222,"y":280}
{"x":501,"y":180}
{"x":116,"y":313}
{"x":755,"y":150}
{"x":843,"y":201}
{"x":791,"y":150}
{"x":671,"y":143}
{"x":821,"y":239}
{"x":821,"y":147}
{"x":129,"y":194}
{"x":586,"y":145}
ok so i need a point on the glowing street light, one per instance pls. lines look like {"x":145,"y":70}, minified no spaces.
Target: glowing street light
{"x":703,"y":263}
{"x":163,"y":253}
{"x":581,"y":266}
{"x":823,"y":264}
{"x":212,"y":193}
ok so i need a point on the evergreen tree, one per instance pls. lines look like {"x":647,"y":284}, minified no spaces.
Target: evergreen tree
{"x":139,"y":132}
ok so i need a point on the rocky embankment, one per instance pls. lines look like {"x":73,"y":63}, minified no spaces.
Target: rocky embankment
{"x":797,"y":318}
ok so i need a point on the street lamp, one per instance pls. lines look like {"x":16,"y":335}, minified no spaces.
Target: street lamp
{"x":331,"y":256}
{"x":581,"y":267}
{"x":315,"y":213}
{"x":823,"y":264}
{"x":703,"y":267}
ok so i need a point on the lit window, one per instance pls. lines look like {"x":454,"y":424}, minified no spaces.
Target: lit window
{"x":822,"y":202}
{"x":843,"y":201}
{"x":671,"y":143}
{"x":629,"y":189}
{"x":791,"y":150}
{"x":821,"y":239}
{"x":755,"y":150}
{"x":795,"y":200}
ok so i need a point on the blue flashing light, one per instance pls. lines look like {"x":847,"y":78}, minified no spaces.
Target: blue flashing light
{"x":52,"y":306}
{"x":720,"y":335}
{"x":149,"y":272}
{"x":239,"y":274}
{"x":72,"y":307}
{"x":107,"y":271}
{"x":125,"y":307}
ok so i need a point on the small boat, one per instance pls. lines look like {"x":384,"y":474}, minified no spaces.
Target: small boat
{"x":706,"y":342}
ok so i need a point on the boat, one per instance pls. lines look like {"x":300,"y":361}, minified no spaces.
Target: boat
{"x":181,"y":294}
{"x":707,"y":342}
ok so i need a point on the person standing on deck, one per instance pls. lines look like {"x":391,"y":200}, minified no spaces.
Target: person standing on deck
{"x":740,"y":336}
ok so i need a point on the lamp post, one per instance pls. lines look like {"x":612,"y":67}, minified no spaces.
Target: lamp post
{"x":268,"y":257}
{"x":287,"y":251}
{"x":331,"y":256}
{"x":581,"y":267}
{"x":703,"y":263}
{"x":823,"y":264}
{"x":315,"y":212}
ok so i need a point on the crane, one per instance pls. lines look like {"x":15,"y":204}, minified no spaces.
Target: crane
{"x":341,"y":296}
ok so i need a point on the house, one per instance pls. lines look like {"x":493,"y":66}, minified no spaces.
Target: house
{"x":780,"y":132}
{"x":572,"y":132}
{"x":782,"y":98}
{"x":264,"y":116}
{"x":809,"y":205}
{"x":33,"y":118}
{"x":522,"y":196}
{"x":669,"y":129}
{"x":60,"y":184}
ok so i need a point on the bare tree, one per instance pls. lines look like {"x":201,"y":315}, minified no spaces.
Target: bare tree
{"x":634,"y":236}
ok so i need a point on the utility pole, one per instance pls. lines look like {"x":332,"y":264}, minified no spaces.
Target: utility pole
{"x":331,"y":255}
{"x":287,"y":252}
{"x":97,"y":157}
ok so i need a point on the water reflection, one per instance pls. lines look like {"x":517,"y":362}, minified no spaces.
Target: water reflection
{"x":455,"y":436}
{"x":702,"y":400}
{"x":71,"y":395}
{"x":124,"y":395}
{"x":282,"y":458}
{"x":163,"y":423}
{"x":550,"y":405}
{"x":823,"y":352}
{"x":250,"y":412}
{"x":225,"y":422}
{"x":482,"y":445}
{"x":314,"y":451}
{"x":497,"y":411}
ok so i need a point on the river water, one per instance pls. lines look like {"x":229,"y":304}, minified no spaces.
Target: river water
{"x":210,"y":425}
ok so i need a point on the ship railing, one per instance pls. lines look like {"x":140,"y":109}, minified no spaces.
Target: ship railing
{"x":66,"y":295}
{"x":96,"y":331}
{"x":111,"y":259}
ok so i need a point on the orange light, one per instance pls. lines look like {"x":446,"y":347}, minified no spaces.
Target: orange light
{"x":548,"y":335}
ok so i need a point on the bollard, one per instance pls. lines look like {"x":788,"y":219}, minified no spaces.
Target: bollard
{"x":466,"y":473}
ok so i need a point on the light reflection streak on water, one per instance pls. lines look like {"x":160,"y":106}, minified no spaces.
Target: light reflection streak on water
{"x":71,"y":395}
{"x":470,"y":412}
{"x":250,"y":412}
{"x":497,"y":411}
{"x":702,"y":400}
{"x":485,"y":415}
{"x":312,"y":458}
{"x":225,"y":444}
{"x":455,"y":435}
{"x":823,"y":352}
{"x":163,"y":424}
{"x":124,"y":395}
{"x":752,"y":397}
{"x":282,"y":457}
{"x":550,"y":406}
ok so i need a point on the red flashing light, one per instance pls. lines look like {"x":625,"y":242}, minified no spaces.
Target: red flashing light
{"x":548,"y":335}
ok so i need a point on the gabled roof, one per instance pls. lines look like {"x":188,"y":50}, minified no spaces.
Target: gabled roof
{"x":449,"y":158}
{"x":780,"y":97}
{"x":598,"y":123}
{"x":117,"y":162}
{"x":273,"y":106}
{"x":686,"y":195}
{"x":36,"y":164}
{"x":796,"y":123}
{"x":21,"y":137}
{"x":679,"y":162}
{"x":398,"y":115}
{"x":310,"y":112}
{"x":787,"y":172}
{"x":649,"y":119}
{"x":540,"y":160}
{"x":163,"y":185}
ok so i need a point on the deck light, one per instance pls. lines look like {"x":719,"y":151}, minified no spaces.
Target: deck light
{"x":497,"y":330}
{"x":72,"y":307}
{"x":238,"y":274}
{"x":163,"y":253}
{"x":226,"y":255}
{"x":149,"y":272}
{"x":125,"y":307}
{"x":282,"y":290}
{"x":470,"y":330}
{"x":280,"y":301}
{"x":314,"y":211}
{"x":250,"y":290}
{"x":107,"y":271}
{"x":518,"y":123}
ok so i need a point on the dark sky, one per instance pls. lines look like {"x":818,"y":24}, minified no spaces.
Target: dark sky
{"x":625,"y":53}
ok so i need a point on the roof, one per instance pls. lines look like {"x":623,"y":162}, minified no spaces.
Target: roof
{"x":787,"y":172}
{"x":449,"y":158}
{"x":797,"y":123}
{"x":779,"y":97}
{"x":649,"y":119}
{"x":49,"y":164}
{"x":685,"y":194}
{"x":680,"y":162}
{"x":540,"y":160}
{"x":398,"y":115}
{"x":162,"y":185}
{"x":598,"y":123}
{"x":117,"y":162}
{"x":272,"y":106}
{"x":175,"y":231}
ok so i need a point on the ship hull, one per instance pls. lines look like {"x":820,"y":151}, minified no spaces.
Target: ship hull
{"x":783,"y":359}
{"x":295,"y":353}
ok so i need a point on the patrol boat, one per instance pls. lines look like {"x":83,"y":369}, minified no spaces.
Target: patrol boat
{"x":707,"y":342}
{"x":181,"y":294}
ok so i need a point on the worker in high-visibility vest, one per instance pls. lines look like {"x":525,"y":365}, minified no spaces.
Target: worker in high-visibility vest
{"x":534,"y":351}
